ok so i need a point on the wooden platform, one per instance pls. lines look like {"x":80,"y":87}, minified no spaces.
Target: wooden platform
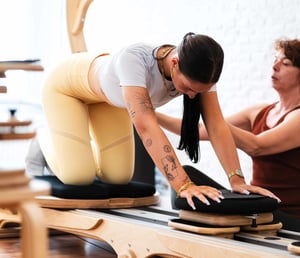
{"x":60,"y":203}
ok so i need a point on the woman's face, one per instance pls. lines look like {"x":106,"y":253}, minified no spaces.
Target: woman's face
{"x":285,"y":74}
{"x":187,"y":86}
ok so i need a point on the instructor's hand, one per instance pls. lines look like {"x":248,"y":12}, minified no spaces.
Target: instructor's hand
{"x":247,"y":189}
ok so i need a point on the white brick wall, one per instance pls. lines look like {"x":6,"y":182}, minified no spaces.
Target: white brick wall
{"x":245,"y":29}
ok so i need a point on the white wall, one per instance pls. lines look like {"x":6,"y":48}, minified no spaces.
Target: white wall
{"x":29,"y":29}
{"x":245,"y":29}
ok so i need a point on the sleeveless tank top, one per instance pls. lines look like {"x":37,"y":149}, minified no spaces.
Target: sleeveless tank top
{"x":279,"y":173}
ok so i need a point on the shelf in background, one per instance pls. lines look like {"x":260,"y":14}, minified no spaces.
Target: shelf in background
{"x":27,"y":65}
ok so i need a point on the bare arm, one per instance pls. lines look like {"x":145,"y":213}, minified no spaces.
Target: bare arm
{"x":220,"y":135}
{"x":223,"y":143}
{"x":173,"y":124}
{"x":241,"y":119}
{"x":217,"y":131}
{"x":158,"y":146}
{"x":275,"y":140}
{"x":170,"y":123}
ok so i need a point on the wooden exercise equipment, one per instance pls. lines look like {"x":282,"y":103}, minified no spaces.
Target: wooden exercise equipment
{"x":17,"y":194}
{"x":76,"y":13}
{"x":145,"y":232}
{"x":3,"y":89}
{"x":225,"y":220}
{"x":25,"y":65}
{"x":12,"y":123}
{"x":17,"y":191}
{"x":60,"y":203}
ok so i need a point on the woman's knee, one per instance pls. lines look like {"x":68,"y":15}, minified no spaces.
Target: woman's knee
{"x":116,"y":172}
{"x":80,"y":175}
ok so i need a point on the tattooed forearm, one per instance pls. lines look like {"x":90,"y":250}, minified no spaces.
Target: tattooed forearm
{"x":148,"y":142}
{"x":170,"y":167}
{"x":167,"y":148}
{"x":131,"y":111}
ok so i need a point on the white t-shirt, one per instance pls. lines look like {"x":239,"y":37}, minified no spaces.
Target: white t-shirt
{"x":133,"y":66}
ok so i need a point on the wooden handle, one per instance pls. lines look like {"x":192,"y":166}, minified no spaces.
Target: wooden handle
{"x":76,"y":12}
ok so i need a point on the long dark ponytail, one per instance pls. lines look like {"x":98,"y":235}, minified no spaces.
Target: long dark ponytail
{"x":189,"y":140}
{"x":200,"y":59}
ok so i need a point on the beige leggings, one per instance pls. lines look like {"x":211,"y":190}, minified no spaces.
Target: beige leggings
{"x":77,"y":119}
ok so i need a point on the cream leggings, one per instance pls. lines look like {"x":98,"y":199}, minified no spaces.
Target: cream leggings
{"x":88,"y":138}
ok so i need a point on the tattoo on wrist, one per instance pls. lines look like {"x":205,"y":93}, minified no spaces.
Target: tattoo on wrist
{"x":186,"y":179}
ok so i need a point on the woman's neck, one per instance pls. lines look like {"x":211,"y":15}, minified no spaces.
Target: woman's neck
{"x":289,"y":100}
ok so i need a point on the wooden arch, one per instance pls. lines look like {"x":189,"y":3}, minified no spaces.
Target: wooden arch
{"x":76,"y":12}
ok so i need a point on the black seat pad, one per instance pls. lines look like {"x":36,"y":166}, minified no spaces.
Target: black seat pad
{"x":98,"y":190}
{"x":233,"y":203}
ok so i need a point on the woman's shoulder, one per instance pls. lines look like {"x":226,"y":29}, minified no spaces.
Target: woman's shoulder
{"x":138,"y":53}
{"x":139,"y":48}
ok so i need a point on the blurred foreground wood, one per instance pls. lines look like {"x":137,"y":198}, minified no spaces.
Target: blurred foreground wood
{"x":61,"y":246}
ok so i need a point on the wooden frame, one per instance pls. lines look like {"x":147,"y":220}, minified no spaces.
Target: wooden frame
{"x":17,"y":193}
{"x":76,"y":12}
{"x":144,"y":232}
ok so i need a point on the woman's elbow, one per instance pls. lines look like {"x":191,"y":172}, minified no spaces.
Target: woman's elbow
{"x":254,"y":150}
{"x":145,"y":129}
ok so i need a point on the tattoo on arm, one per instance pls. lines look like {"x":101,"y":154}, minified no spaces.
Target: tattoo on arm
{"x":131,"y":111}
{"x":148,"y":142}
{"x":170,"y":167}
{"x":167,"y":148}
{"x":144,"y":102}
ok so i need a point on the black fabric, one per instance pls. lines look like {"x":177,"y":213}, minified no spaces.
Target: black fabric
{"x":288,"y":222}
{"x":233,"y":203}
{"x":98,"y":190}
{"x":144,"y":168}
{"x":198,"y":178}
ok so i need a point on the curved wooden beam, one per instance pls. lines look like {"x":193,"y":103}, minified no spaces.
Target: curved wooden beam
{"x":76,"y":11}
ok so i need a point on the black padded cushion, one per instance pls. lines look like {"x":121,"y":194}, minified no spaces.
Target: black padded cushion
{"x":233,"y":203}
{"x":98,"y":190}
